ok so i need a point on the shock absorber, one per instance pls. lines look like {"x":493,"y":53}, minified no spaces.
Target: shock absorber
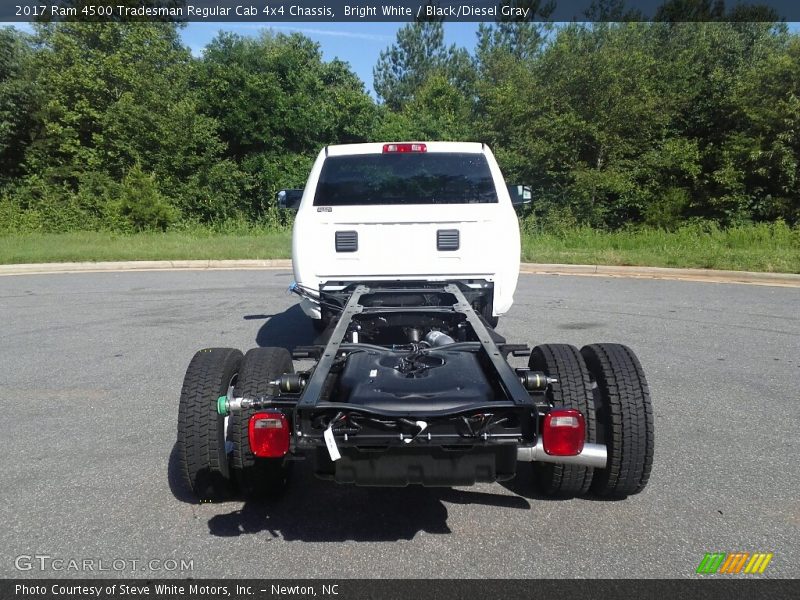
{"x":290,"y":383}
{"x":534,"y":381}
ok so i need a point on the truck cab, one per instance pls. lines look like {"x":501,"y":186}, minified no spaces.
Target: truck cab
{"x":405,"y":212}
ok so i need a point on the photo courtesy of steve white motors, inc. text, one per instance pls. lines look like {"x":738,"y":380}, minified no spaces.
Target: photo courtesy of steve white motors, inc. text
{"x":171,"y":589}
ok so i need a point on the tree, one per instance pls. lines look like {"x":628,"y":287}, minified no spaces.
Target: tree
{"x":278,"y":103}
{"x":438,"y":111}
{"x":767,"y":99}
{"x":418,"y":53}
{"x":705,"y":67}
{"x":18,"y":100}
{"x":679,"y":11}
{"x":119,"y":95}
{"x":576,"y":120}
{"x":142,"y":204}
{"x":521,"y":39}
{"x":274,"y":93}
{"x":655,"y":122}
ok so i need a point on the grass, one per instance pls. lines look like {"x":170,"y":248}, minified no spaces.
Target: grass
{"x":772,"y":248}
{"x":103,"y":246}
{"x":763,"y":247}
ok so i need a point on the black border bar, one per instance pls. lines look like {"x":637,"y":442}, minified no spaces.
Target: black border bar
{"x":278,"y":11}
{"x":698,"y":587}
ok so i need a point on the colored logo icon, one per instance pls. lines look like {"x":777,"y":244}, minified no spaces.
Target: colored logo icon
{"x":734,"y":563}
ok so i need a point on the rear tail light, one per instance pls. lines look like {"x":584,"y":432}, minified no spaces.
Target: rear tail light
{"x":563,"y":432}
{"x":269,"y":434}
{"x":404,"y":148}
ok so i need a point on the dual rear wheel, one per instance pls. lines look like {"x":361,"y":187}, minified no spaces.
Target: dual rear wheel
{"x":606,"y":383}
{"x":214,"y":451}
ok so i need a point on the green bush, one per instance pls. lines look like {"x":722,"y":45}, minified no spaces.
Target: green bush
{"x":142,"y":204}
{"x":38,"y":205}
{"x":667,"y":210}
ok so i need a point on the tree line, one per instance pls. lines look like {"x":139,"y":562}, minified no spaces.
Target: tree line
{"x":117,"y":126}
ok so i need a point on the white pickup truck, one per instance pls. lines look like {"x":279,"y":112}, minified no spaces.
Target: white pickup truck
{"x":405,"y":254}
{"x":433,"y":211}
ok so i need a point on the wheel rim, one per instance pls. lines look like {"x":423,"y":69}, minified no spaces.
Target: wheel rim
{"x":226,"y":420}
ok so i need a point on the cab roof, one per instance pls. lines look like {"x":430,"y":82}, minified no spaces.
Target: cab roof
{"x":377,"y":147}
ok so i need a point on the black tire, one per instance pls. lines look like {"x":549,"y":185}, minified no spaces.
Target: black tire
{"x":486,"y":313}
{"x":257,"y":477}
{"x":572,"y":390}
{"x":625,"y":419}
{"x":201,"y":430}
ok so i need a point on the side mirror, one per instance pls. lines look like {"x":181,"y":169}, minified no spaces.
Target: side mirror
{"x":289,"y":199}
{"x":520,"y":195}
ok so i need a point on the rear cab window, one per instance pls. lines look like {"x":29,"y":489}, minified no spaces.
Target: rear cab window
{"x":405,"y":178}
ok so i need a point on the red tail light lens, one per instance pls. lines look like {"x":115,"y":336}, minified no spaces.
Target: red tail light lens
{"x":404,"y":148}
{"x":269,"y":434}
{"x":563,"y":432}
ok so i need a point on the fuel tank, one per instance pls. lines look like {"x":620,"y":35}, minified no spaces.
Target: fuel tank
{"x":433,"y":380}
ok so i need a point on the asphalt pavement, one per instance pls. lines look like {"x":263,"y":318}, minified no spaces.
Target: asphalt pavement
{"x":91,"y":367}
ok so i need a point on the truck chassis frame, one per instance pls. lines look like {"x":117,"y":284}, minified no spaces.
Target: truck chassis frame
{"x":451,"y":439}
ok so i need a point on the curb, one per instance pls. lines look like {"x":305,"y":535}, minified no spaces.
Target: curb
{"x":701,"y":275}
{"x":143,"y":265}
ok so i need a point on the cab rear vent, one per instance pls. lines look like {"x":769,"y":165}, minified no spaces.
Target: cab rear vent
{"x":447,"y":239}
{"x":346,"y":241}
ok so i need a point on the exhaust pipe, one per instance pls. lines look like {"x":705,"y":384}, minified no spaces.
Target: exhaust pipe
{"x":593,"y":455}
